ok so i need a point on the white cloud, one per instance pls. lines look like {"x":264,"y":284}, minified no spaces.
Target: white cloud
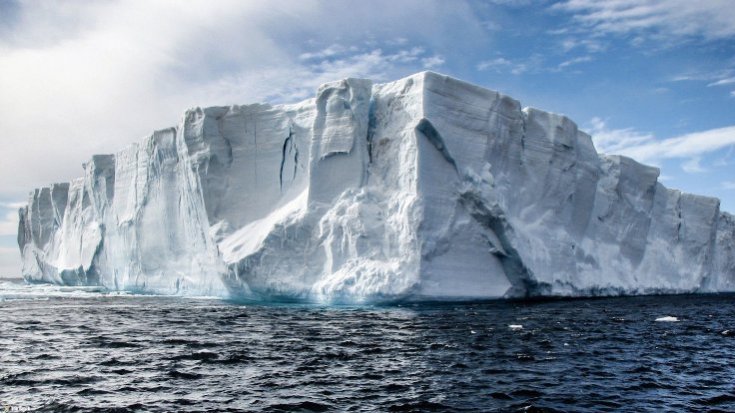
{"x":98,"y":86}
{"x":9,"y":223}
{"x":330,"y":51}
{"x":722,"y":82}
{"x":711,"y":19}
{"x":692,"y":144}
{"x":616,"y":141}
{"x":12,"y":205}
{"x":728,"y":184}
{"x":79,"y":78}
{"x":501,"y":64}
{"x":494,"y":63}
{"x":693,"y":165}
{"x":574,"y":61}
{"x":726,"y":159}
{"x":432,"y":61}
{"x":714,"y":77}
{"x":590,"y":45}
{"x":644,"y":147}
{"x":9,"y":262}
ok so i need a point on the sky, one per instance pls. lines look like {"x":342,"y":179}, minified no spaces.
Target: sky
{"x":650,"y":79}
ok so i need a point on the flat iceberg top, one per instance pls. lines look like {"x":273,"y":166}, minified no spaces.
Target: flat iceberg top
{"x":427,"y":187}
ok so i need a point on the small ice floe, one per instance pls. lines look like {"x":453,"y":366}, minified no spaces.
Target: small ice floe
{"x":728,"y":333}
{"x":473,"y":332}
{"x":667,"y":319}
{"x":515,"y":326}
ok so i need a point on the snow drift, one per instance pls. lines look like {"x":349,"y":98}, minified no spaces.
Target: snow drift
{"x":426,"y":187}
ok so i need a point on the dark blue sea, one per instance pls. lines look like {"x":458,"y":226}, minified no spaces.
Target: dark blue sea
{"x":68,"y":350}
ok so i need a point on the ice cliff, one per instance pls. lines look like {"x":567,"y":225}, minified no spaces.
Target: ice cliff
{"x":426,"y":187}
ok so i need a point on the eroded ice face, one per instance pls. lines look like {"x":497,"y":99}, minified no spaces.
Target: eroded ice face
{"x":426,"y":187}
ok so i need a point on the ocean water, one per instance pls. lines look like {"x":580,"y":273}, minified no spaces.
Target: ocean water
{"x":68,"y":350}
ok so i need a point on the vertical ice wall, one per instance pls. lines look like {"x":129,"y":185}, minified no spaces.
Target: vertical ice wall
{"x":38,"y":225}
{"x":422,"y":187}
{"x":134,"y":222}
{"x":724,"y":268}
{"x":559,"y":218}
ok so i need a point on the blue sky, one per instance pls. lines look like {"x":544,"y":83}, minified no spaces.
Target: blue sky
{"x":653,"y":79}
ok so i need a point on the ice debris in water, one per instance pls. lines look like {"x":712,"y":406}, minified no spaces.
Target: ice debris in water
{"x":422,"y":188}
{"x":667,"y":319}
{"x":515,"y":326}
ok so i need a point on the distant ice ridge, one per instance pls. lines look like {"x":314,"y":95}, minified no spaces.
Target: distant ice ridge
{"x":423,"y":188}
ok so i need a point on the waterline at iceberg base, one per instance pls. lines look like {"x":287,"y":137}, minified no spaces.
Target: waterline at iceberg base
{"x":422,"y":188}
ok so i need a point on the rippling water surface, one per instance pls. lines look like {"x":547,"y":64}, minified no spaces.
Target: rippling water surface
{"x":81,"y":350}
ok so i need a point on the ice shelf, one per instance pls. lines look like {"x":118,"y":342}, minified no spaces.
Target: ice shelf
{"x":422,"y":188}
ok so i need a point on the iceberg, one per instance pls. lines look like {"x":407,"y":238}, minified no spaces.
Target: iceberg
{"x":427,"y":187}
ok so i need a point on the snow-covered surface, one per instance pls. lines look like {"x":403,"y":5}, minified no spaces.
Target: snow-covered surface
{"x":427,"y":187}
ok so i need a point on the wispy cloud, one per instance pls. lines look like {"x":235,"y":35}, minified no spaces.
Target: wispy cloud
{"x":497,"y":63}
{"x":729,"y":185}
{"x":693,"y":165}
{"x":645,"y":148}
{"x":616,"y":141}
{"x":9,"y":262}
{"x":723,"y":82}
{"x":12,"y":205}
{"x":590,"y":45}
{"x":710,"y":19}
{"x":574,"y":61}
{"x":503,"y":65}
{"x":9,"y":224}
{"x":532,"y":64}
{"x":299,"y":81}
{"x":9,"y":218}
{"x":432,"y":62}
{"x":330,"y":51}
{"x":714,"y":78}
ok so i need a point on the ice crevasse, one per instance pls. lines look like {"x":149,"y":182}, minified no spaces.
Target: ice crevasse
{"x":422,"y":188}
